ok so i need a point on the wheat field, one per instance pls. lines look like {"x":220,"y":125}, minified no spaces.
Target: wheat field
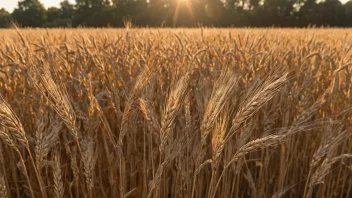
{"x":176,"y":113}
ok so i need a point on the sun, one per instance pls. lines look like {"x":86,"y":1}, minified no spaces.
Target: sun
{"x":181,"y":5}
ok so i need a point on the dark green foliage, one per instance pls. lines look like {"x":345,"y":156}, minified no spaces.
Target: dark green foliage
{"x":4,"y":18}
{"x":30,"y":13}
{"x":183,"y":13}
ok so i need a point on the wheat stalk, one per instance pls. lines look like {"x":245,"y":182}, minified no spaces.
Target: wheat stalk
{"x":58,"y":180}
{"x":3,"y":188}
{"x":12,"y":123}
{"x":223,"y":91}
{"x":57,"y":97}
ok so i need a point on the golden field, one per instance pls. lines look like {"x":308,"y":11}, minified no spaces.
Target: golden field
{"x":176,"y":113}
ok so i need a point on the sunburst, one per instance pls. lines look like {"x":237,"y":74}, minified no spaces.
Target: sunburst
{"x":183,"y":4}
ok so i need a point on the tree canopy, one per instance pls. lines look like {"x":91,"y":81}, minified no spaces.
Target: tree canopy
{"x":182,"y":13}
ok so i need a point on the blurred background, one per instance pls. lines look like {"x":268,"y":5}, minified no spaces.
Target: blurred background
{"x":176,"y":13}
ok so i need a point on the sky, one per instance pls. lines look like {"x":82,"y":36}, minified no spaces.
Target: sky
{"x":10,"y":5}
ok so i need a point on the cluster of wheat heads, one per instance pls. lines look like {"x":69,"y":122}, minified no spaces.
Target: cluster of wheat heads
{"x":176,"y":113}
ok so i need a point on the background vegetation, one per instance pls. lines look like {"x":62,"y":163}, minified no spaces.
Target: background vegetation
{"x":184,"y":13}
{"x":176,"y":113}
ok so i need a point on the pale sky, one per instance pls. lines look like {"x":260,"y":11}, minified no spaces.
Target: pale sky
{"x":10,"y":5}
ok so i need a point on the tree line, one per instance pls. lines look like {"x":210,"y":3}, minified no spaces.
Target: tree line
{"x":181,"y":13}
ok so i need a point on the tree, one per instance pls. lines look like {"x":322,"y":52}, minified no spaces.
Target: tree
{"x":309,"y":13}
{"x":52,"y":14}
{"x":332,"y":13}
{"x":91,"y":12}
{"x":56,"y":18}
{"x":4,"y":18}
{"x":277,"y":12}
{"x":348,"y":13}
{"x":182,"y":13}
{"x":82,"y":12}
{"x":30,"y":13}
{"x":67,"y":9}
